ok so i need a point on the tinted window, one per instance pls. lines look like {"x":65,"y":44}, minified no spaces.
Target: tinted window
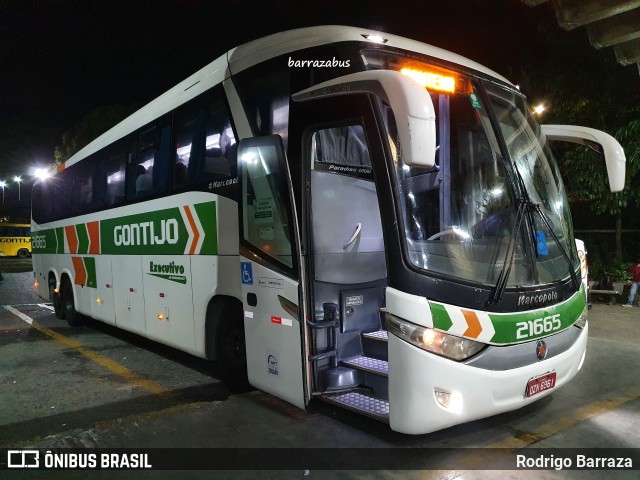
{"x":205,"y":145}
{"x":148,"y":160}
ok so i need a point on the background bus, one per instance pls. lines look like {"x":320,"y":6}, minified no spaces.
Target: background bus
{"x":15,"y":240}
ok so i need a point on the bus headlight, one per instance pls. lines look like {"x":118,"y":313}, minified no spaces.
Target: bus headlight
{"x":582,"y":319}
{"x":434,"y":341}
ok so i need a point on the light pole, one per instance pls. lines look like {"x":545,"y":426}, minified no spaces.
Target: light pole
{"x":3,"y":184}
{"x":18,"y":179}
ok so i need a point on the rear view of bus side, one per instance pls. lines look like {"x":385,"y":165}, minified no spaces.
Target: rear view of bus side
{"x":333,"y":214}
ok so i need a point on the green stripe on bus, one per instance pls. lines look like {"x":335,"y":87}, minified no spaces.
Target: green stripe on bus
{"x":90,"y":267}
{"x":207,"y":214}
{"x":151,"y":233}
{"x":59,"y":234}
{"x":83,"y":238}
{"x":44,"y":241}
{"x":441,"y":319}
{"x":162,"y":232}
{"x":519,"y":327}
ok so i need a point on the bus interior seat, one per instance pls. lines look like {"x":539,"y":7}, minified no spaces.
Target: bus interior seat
{"x":144,"y":184}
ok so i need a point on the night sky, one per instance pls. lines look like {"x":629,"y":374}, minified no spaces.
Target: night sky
{"x":61,"y":59}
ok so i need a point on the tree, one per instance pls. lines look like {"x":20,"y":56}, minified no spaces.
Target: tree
{"x":583,"y":86}
{"x":88,"y":128}
{"x":589,"y":180}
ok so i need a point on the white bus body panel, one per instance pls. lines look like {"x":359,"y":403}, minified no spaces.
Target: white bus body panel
{"x":272,"y":335}
{"x":415,"y":373}
{"x":258,"y":51}
{"x":169,"y":305}
{"x":128,"y":292}
{"x":613,"y":152}
{"x":129,"y":297}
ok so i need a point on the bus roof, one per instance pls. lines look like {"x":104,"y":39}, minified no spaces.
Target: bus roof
{"x":257,"y":51}
{"x":15,"y":224}
{"x":271,"y":46}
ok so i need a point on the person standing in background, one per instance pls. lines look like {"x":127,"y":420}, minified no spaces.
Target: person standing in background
{"x":634,"y":270}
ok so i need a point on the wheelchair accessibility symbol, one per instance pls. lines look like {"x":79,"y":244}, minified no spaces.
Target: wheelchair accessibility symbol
{"x":246,"y":273}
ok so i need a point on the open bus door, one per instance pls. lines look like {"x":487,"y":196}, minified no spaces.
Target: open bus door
{"x":271,"y":261}
{"x":269,"y":269}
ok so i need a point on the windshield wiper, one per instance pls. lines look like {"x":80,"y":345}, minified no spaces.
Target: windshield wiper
{"x":545,"y":219}
{"x":511,"y":249}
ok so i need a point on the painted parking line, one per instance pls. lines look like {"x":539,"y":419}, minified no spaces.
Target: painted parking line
{"x":111,"y":365}
{"x":559,"y":425}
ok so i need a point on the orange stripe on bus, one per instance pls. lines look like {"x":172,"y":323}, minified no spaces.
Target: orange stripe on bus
{"x":79,"y":270}
{"x":72,"y":238}
{"x":196,"y":234}
{"x":475,"y":328}
{"x":93,"y":228}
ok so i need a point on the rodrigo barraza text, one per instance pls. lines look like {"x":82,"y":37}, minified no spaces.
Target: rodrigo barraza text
{"x":580,"y":462}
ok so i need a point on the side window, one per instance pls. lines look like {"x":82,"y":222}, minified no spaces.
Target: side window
{"x":83,"y":186}
{"x":266,"y":207}
{"x":342,"y":181}
{"x":341,"y":149}
{"x":148,"y":160}
{"x":205,"y":145}
{"x":189,"y":138}
{"x":265,"y":90}
{"x":114,"y":174}
{"x":220,"y":144}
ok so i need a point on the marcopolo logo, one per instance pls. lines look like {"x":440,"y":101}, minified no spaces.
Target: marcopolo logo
{"x":537,"y":299}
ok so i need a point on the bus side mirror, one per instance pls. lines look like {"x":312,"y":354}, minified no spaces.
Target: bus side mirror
{"x":600,"y":141}
{"x":410,"y":102}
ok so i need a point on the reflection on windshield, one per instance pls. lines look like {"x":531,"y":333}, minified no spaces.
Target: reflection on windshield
{"x":539,"y":174}
{"x":459,"y":216}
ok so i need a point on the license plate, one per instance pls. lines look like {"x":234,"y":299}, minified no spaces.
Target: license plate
{"x":540,"y":384}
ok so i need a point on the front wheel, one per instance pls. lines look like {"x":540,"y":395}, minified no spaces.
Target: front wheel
{"x":23,"y":253}
{"x":232,"y":355}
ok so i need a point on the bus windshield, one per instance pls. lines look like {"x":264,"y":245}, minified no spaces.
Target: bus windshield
{"x":483,"y":211}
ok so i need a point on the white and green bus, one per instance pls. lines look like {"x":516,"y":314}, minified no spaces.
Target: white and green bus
{"x":334,"y":214}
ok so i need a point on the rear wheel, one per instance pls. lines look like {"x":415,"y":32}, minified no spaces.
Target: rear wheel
{"x":57,"y":301}
{"x":23,"y":253}
{"x":68,"y":306}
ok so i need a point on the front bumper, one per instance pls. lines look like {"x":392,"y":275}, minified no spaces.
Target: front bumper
{"x":415,"y":374}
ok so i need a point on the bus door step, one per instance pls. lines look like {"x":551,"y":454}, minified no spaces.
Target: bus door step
{"x":360,"y":401}
{"x":368,"y":364}
{"x":375,"y":344}
{"x":379,"y":335}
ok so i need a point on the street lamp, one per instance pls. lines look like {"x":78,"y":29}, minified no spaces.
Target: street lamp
{"x":3,"y":184}
{"x":41,"y":173}
{"x":18,"y":179}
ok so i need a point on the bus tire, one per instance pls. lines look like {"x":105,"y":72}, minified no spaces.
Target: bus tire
{"x":57,"y":300}
{"x":232,"y":354}
{"x":23,"y":253}
{"x":68,"y":306}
